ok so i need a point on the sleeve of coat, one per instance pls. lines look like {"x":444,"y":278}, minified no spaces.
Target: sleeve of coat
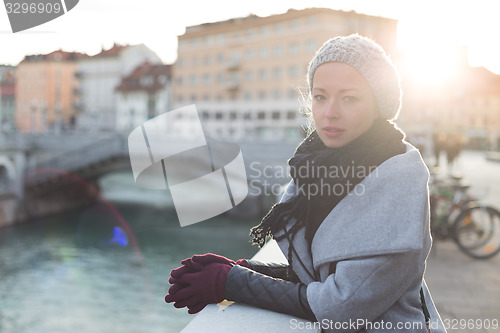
{"x":362,"y":288}
{"x":275,"y":270}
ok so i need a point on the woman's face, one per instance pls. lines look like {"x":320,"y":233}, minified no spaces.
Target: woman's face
{"x":343,"y":105}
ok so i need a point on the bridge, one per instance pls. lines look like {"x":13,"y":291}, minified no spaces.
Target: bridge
{"x":49,"y":173}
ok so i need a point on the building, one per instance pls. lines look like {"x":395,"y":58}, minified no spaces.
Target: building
{"x":7,"y":99}
{"x":100,"y":75}
{"x":46,"y":91}
{"x":142,"y":95}
{"x":245,"y":74}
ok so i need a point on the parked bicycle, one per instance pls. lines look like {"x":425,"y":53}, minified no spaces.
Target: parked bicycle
{"x":456,"y":215}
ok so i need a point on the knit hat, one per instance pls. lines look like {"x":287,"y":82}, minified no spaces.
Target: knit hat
{"x":370,"y":60}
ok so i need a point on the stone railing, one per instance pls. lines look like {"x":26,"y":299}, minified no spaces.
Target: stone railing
{"x":234,"y":317}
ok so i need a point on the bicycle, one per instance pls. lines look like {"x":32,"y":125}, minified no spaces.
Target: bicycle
{"x":458,"y":216}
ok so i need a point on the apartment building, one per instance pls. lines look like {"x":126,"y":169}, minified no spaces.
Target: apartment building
{"x":46,"y":91}
{"x":7,"y":98}
{"x":245,"y":75}
{"x":99,"y":76}
{"x":143,"y":94}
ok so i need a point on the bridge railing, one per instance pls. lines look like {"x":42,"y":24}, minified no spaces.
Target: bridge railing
{"x":78,"y":158}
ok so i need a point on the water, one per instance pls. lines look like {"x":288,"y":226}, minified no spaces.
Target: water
{"x":104,"y":268}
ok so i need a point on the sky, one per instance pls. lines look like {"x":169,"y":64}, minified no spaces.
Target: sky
{"x":425,"y":29}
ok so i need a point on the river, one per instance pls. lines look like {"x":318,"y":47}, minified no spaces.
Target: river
{"x":104,"y":268}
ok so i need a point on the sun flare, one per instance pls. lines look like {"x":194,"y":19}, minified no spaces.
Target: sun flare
{"x":433,"y":66}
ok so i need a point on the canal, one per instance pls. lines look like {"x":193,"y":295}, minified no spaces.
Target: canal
{"x":104,"y":268}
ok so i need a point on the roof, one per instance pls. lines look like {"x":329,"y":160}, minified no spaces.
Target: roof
{"x":111,"y":52}
{"x":58,"y":55}
{"x":146,"y":77}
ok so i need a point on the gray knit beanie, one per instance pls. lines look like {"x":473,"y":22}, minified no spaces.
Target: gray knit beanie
{"x":370,"y":60}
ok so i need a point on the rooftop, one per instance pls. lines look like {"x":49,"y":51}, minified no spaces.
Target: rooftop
{"x":146,"y":77}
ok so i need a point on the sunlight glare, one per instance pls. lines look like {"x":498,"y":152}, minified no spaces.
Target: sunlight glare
{"x":433,"y":66}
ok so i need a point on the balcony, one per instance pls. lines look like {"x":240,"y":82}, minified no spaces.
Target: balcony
{"x":232,"y":64}
{"x":232,"y":85}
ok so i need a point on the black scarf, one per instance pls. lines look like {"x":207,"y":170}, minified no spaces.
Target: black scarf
{"x":324,"y":176}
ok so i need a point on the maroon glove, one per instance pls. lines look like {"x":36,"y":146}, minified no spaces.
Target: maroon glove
{"x":196,"y":263}
{"x":196,"y":290}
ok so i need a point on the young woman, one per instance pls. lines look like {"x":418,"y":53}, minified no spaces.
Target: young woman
{"x":354,"y":221}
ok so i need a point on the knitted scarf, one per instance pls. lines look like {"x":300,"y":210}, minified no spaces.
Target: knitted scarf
{"x":324,"y":176}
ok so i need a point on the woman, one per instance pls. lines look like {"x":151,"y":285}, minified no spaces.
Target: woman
{"x":354,"y":221}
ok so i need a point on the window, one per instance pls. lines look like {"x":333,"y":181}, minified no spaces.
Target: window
{"x":264,"y":52}
{"x":277,"y":94}
{"x":277,"y":72}
{"x":262,"y":94}
{"x":206,"y":79}
{"x":278,"y":27}
{"x":218,"y":115}
{"x":235,"y":77}
{"x":261,"y":115}
{"x":180,"y":80}
{"x":248,"y":75}
{"x":180,"y":62}
{"x":294,"y":24}
{"x":232,"y":115}
{"x":293,"y":48}
{"x":311,"y":20}
{"x":220,"y":57}
{"x":247,"y":95}
{"x":290,"y":115}
{"x":249,"y":54}
{"x":221,"y":38}
{"x":293,"y":71}
{"x":275,"y":115}
{"x":278,"y":50}
{"x":235,"y":55}
{"x":263,"y":74}
{"x":311,"y":45}
{"x":193,"y":79}
{"x":207,"y":60}
{"x":220,"y":77}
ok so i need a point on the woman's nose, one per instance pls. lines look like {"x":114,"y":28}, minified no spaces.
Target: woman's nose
{"x":332,"y":110}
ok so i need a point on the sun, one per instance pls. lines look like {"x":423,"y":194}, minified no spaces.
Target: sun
{"x":433,"y":66}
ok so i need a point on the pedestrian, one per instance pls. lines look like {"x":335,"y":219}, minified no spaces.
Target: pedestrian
{"x":356,"y":237}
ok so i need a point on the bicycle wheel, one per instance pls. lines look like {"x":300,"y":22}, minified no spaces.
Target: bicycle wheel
{"x":475,"y":231}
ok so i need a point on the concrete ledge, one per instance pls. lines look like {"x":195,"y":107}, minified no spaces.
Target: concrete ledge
{"x":493,"y":156}
{"x":233,"y":317}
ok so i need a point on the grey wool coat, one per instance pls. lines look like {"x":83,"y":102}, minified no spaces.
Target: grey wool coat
{"x":365,"y":267}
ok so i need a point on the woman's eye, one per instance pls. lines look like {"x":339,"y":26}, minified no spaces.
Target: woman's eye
{"x":319,"y":97}
{"x":350,"y":99}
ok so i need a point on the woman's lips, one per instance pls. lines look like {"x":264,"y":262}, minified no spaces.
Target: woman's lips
{"x":332,"y":132}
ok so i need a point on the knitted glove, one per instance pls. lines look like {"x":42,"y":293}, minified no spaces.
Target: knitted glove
{"x":208,"y":258}
{"x":196,"y":290}
{"x":196,"y":263}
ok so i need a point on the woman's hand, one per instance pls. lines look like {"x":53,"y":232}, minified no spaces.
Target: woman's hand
{"x":205,"y":259}
{"x":185,"y":281}
{"x":197,"y":289}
